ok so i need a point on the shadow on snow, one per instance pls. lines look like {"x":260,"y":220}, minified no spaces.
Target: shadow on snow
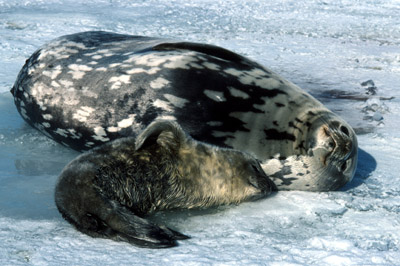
{"x":366,"y":165}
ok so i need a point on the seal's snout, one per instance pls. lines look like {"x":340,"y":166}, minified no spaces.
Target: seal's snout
{"x":344,"y":141}
{"x":344,"y":149}
{"x":334,"y":143}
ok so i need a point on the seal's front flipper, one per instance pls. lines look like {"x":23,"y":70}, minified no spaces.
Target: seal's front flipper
{"x":122,"y":225}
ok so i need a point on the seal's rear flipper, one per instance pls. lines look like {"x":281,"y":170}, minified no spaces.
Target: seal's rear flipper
{"x":176,"y":234}
{"x":126,"y":226}
{"x":97,"y":216}
{"x":120,"y":224}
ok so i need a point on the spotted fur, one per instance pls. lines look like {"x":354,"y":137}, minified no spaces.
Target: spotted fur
{"x":88,"y":88}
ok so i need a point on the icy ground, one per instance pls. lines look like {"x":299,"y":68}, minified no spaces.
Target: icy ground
{"x":341,"y":51}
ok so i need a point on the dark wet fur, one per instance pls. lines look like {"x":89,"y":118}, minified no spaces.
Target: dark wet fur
{"x":108,"y":191}
{"x":112,"y":204}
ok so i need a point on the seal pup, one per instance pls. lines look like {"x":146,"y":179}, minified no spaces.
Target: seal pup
{"x":88,"y":88}
{"x":107,"y":191}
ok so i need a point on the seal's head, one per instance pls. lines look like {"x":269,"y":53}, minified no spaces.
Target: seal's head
{"x":322,"y":155}
{"x":331,"y":146}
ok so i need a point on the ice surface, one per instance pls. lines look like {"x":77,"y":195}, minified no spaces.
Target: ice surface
{"x":330,"y":48}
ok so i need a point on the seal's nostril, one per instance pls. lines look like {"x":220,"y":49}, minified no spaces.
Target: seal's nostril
{"x":345,"y":130}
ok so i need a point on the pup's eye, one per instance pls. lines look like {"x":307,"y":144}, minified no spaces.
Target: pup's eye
{"x":257,"y":169}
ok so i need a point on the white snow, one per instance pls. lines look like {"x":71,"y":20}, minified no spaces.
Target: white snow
{"x":323,"y":46}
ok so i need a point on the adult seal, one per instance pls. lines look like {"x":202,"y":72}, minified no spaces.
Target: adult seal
{"x":88,"y":88}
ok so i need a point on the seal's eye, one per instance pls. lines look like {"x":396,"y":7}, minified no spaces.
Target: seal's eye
{"x":344,"y":166}
{"x":255,"y":168}
{"x":345,"y":130}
